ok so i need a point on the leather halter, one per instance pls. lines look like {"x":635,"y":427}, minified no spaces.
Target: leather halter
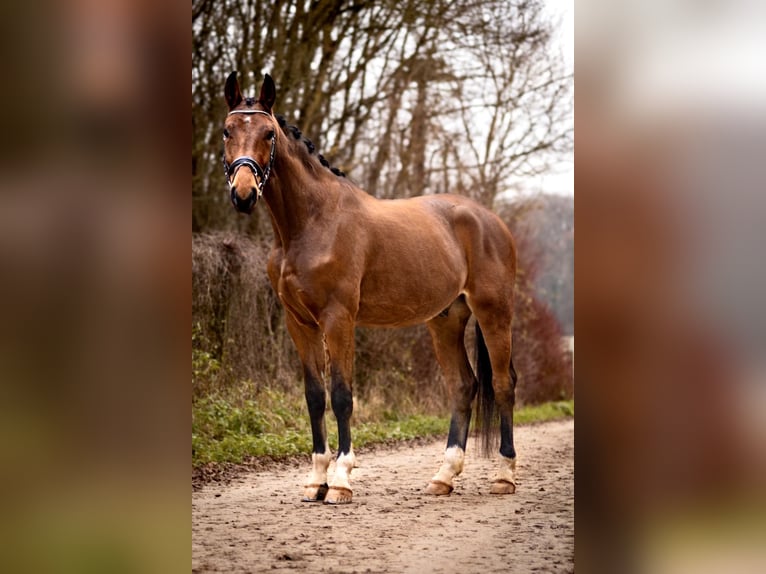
{"x":230,"y":169}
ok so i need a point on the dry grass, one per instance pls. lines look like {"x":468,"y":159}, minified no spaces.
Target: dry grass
{"x":236,"y":317}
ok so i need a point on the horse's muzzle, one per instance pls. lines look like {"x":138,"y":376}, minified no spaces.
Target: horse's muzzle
{"x":245,"y":205}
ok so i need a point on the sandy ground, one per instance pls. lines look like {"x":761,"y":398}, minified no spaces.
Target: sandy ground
{"x":257,"y":523}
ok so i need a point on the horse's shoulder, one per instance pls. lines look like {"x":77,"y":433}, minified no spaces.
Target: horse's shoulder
{"x":274,"y":263}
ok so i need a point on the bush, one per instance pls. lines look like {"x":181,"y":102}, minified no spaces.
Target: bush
{"x":238,"y":328}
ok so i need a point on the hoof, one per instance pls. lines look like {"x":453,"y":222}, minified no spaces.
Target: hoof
{"x":438,"y":488}
{"x":314,"y":493}
{"x":338,"y":495}
{"x":502,"y":487}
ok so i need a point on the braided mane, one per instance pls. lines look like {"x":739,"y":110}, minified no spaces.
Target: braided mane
{"x":295,"y":132}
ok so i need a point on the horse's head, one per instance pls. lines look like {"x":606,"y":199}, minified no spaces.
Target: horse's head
{"x":249,"y":139}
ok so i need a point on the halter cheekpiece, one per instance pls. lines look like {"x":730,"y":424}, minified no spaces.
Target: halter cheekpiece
{"x":230,"y":169}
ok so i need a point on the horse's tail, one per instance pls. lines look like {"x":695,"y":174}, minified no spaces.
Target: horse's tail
{"x":487,"y":418}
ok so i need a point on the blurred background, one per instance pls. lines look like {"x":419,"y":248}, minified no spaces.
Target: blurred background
{"x":94,"y":288}
{"x":671,"y":325}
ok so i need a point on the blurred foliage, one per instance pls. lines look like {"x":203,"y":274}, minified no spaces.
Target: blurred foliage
{"x":547,"y":229}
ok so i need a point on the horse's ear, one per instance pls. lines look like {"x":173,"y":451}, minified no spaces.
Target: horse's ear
{"x":231,"y":91}
{"x":268,"y":93}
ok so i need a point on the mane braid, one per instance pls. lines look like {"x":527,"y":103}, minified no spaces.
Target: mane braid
{"x":295,"y":132}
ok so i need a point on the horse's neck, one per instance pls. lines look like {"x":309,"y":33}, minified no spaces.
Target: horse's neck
{"x":295,"y":197}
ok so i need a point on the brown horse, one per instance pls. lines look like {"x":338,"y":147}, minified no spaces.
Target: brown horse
{"x":343,"y":258}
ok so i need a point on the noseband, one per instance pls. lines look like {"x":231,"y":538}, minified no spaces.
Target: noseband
{"x":230,"y":169}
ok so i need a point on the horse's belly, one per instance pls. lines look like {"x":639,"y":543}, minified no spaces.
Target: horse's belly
{"x":392,"y":308}
{"x":412,"y":284}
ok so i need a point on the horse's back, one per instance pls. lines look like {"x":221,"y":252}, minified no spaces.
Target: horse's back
{"x":486,"y":244}
{"x":482,"y":235}
{"x":421,"y":253}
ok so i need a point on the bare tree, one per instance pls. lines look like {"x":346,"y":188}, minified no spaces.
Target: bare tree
{"x":407,"y":97}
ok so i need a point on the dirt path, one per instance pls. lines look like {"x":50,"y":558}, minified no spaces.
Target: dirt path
{"x":258,"y":523}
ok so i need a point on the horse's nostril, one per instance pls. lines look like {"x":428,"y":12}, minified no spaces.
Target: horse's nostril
{"x":244,"y":205}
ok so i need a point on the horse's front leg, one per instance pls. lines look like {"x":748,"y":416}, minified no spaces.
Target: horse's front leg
{"x":308,"y":341}
{"x":338,"y":326}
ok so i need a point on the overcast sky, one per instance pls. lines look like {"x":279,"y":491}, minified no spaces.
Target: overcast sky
{"x":561,"y":179}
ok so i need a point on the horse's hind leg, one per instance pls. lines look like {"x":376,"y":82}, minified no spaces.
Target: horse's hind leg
{"x":505,"y":483}
{"x":447,"y":333}
{"x":494,"y":321}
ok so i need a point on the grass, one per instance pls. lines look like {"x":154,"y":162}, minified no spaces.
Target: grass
{"x":232,"y":427}
{"x":551,"y":411}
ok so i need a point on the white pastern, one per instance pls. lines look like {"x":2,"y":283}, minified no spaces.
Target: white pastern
{"x":452,"y":465}
{"x":343,"y":467}
{"x":507,"y":469}
{"x":319,"y":465}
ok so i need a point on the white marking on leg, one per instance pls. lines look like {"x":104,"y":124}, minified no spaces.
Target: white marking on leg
{"x":343,"y":467}
{"x":452,"y":465}
{"x":319,"y":465}
{"x":507,"y":469}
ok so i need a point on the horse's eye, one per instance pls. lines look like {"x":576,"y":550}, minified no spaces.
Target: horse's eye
{"x":225,"y":133}
{"x":270,"y":135}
